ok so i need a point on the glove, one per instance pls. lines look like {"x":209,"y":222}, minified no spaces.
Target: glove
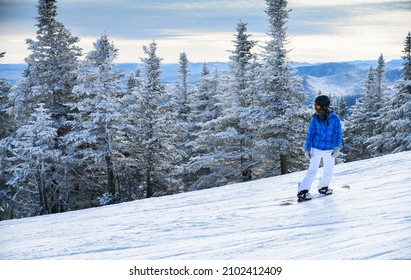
{"x":308,"y":155}
{"x":335,"y":152}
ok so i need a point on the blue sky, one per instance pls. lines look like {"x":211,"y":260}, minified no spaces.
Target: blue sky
{"x":319,"y":31}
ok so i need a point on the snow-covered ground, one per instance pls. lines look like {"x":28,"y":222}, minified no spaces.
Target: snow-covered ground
{"x":236,"y":222}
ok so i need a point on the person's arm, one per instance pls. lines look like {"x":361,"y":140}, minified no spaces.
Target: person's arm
{"x":338,"y":134}
{"x":310,"y":136}
{"x":337,"y":138}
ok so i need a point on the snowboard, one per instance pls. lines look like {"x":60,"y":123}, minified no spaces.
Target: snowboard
{"x":315,"y":196}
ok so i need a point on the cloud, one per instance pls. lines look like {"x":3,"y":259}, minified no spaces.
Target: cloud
{"x":205,"y":28}
{"x":324,"y":17}
{"x":155,"y":19}
{"x":360,"y":31}
{"x":19,"y":11}
{"x":343,"y":4}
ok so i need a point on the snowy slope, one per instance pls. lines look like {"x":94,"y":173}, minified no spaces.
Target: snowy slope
{"x":241,"y":221}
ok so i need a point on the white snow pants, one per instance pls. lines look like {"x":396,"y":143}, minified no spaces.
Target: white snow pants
{"x":328,"y":163}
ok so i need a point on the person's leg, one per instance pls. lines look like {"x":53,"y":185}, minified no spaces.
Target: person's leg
{"x":312,"y":170}
{"x":328,"y":162}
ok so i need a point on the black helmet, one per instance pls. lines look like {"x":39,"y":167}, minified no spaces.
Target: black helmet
{"x":322,"y":100}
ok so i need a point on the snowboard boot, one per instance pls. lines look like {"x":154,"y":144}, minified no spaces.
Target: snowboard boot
{"x":325,"y":191}
{"x":304,"y":195}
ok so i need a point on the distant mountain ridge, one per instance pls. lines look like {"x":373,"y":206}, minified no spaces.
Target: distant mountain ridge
{"x":344,"y":78}
{"x":335,"y":78}
{"x":326,"y":69}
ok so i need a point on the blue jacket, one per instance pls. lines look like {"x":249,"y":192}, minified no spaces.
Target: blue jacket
{"x":324,"y":134}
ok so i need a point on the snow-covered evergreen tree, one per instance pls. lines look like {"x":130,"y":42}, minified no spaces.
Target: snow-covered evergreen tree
{"x":397,"y":132}
{"x":49,"y":77}
{"x":238,"y":126}
{"x":358,"y":127}
{"x":134,"y":80}
{"x":378,"y":107}
{"x":95,"y":120}
{"x":203,"y":111}
{"x":406,"y":63}
{"x":6,"y":128}
{"x":199,"y":102}
{"x":182,"y":88}
{"x":224,"y":141}
{"x":340,"y":107}
{"x":34,"y":158}
{"x":365,"y":125}
{"x":380,"y":98}
{"x":283,"y":119}
{"x":156,"y":125}
{"x":181,"y":93}
{"x":129,"y":147}
{"x":228,"y":135}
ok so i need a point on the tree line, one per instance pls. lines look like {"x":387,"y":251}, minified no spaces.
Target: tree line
{"x":78,"y":133}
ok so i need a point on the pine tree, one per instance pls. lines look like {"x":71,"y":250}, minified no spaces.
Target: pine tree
{"x":380,"y":97}
{"x":182,"y":88}
{"x":158,"y":151}
{"x":398,"y":119}
{"x":364,"y":127}
{"x":95,"y":120}
{"x":240,"y":62}
{"x":406,"y":63}
{"x":378,"y":107}
{"x":199,"y":103}
{"x":359,"y":127}
{"x":33,"y":158}
{"x":223,"y":143}
{"x":203,"y":110}
{"x":283,"y":118}
{"x":237,"y":116}
{"x":6,"y":128}
{"x":48,"y":80}
{"x":181,"y":95}
{"x":341,"y":108}
{"x":226,"y":139}
{"x":129,"y":175}
{"x":49,"y":77}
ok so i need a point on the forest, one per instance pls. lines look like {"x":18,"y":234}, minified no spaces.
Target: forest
{"x":76,"y":132}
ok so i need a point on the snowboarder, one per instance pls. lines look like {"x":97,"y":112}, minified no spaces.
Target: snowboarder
{"x":323,"y":141}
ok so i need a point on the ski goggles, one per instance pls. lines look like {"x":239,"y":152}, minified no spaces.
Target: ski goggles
{"x":319,"y":107}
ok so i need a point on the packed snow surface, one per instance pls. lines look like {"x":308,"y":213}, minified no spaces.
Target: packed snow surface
{"x":239,"y":221}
